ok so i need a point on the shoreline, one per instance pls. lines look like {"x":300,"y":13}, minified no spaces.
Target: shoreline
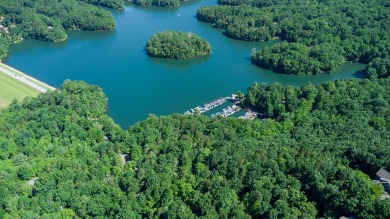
{"x":24,"y":78}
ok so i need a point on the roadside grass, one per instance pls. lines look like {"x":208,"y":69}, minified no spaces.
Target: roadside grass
{"x":27,"y":77}
{"x":11,"y":88}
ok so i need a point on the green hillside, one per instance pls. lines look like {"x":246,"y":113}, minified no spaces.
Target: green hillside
{"x":61,"y":157}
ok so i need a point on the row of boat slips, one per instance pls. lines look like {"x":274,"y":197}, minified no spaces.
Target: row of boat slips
{"x":211,"y":104}
{"x":228,"y":111}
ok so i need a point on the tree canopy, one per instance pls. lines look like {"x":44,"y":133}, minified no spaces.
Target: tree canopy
{"x":312,"y":154}
{"x":177,"y":45}
{"x":116,"y":4}
{"x":62,"y":157}
{"x":323,"y":34}
{"x":49,"y":19}
{"x":298,"y":59}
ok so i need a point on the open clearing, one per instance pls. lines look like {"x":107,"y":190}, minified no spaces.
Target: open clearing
{"x":11,"y":88}
{"x":17,"y":85}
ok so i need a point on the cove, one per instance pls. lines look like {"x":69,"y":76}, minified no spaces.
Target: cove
{"x":136,"y":84}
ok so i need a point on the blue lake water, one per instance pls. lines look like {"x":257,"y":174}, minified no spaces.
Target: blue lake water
{"x":136,"y":84}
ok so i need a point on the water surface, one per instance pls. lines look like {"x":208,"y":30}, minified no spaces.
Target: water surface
{"x":136,"y":84}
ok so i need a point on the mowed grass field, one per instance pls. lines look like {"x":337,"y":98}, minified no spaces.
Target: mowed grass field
{"x":11,"y":88}
{"x":27,"y":77}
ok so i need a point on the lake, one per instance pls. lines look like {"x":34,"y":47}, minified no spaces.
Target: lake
{"x":136,"y":84}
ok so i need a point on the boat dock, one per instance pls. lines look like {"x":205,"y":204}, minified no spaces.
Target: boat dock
{"x":228,"y":111}
{"x":207,"y":106}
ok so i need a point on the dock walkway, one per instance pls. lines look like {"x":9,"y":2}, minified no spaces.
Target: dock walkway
{"x":207,"y":106}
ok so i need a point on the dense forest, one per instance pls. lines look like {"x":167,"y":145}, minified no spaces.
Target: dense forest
{"x":312,"y":154}
{"x":177,"y":45}
{"x":49,"y":19}
{"x":61,"y":156}
{"x":297,"y":58}
{"x":378,"y":68}
{"x":319,"y":35}
{"x":4,"y":43}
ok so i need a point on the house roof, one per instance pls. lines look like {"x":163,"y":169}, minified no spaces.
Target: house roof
{"x":382,"y":173}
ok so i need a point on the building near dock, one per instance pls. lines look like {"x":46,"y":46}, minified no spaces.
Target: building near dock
{"x":383,"y":177}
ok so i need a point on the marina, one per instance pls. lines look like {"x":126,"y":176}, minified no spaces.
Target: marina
{"x":226,"y":111}
{"x":207,"y":106}
{"x":213,"y":104}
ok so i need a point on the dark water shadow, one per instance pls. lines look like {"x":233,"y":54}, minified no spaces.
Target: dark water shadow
{"x":249,"y":59}
{"x":31,"y":44}
{"x":154,"y":9}
{"x":88,"y":35}
{"x":359,"y":74}
{"x":179,"y":63}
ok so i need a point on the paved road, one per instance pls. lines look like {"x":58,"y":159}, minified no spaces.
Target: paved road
{"x":22,"y":79}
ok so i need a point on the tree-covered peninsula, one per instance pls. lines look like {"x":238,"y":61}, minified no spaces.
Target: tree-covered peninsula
{"x":61,"y":156}
{"x":177,"y":45}
{"x":319,"y":35}
{"x":48,"y":20}
{"x":297,"y":59}
{"x":116,"y":4}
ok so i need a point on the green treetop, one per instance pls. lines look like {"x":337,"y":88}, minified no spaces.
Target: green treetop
{"x":177,"y":45}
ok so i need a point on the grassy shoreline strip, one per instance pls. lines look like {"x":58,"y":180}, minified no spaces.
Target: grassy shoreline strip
{"x":27,"y":77}
{"x":11,"y":88}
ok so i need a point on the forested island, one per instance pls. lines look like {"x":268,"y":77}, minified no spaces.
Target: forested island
{"x":177,"y":45}
{"x":63,"y":157}
{"x":49,"y":20}
{"x":162,"y":3}
{"x":319,"y":35}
